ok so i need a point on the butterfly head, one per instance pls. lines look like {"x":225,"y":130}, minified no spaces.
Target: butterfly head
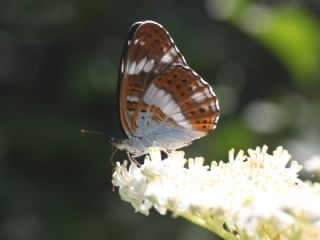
{"x":134,"y":145}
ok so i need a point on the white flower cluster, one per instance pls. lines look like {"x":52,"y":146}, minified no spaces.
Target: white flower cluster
{"x":256,"y":191}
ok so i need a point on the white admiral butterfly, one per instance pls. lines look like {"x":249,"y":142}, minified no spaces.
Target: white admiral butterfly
{"x":163,"y":102}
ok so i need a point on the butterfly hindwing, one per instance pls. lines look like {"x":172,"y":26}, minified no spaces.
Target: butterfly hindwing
{"x":195,"y":104}
{"x":178,"y":107}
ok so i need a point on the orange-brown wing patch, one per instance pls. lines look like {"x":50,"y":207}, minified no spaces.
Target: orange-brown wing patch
{"x":156,"y":114}
{"x":194,"y":96}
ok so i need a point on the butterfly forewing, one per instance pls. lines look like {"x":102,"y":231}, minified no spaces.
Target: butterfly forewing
{"x":148,"y":51}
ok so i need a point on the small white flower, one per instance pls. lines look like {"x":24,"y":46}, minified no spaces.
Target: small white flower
{"x":253,"y":191}
{"x":313,"y":164}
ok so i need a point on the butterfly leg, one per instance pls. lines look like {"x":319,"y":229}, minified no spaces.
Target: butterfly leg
{"x":165,"y":151}
{"x":132,"y":159}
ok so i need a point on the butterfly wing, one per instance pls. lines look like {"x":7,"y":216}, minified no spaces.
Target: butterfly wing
{"x":162,"y":100}
{"x":178,"y":107}
{"x":148,"y":51}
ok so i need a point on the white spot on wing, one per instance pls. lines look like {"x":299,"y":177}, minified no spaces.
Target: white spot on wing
{"x":170,"y":107}
{"x":122,"y":66}
{"x":198,"y":97}
{"x":178,"y":117}
{"x":143,"y":65}
{"x":148,"y":97}
{"x":200,"y":84}
{"x":159,"y":94}
{"x":173,"y":52}
{"x":167,"y":57}
{"x":133,"y":99}
{"x":132,"y":67}
{"x":161,"y":99}
{"x":140,"y":65}
{"x":130,"y":113}
{"x":216,"y":121}
{"x":207,"y":93}
{"x":185,"y":124}
{"x":217,"y":104}
{"x":164,"y":101}
{"x":148,"y":66}
{"x":213,"y":106}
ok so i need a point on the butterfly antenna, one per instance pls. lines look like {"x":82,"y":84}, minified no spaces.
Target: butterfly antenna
{"x":86,"y":131}
{"x":113,"y":150}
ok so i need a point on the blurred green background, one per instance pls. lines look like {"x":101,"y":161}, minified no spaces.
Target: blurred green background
{"x":58,"y":73}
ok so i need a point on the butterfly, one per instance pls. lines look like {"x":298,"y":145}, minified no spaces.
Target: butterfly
{"x":162,"y":101}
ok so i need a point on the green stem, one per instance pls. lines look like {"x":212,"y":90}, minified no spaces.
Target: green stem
{"x":215,"y":226}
